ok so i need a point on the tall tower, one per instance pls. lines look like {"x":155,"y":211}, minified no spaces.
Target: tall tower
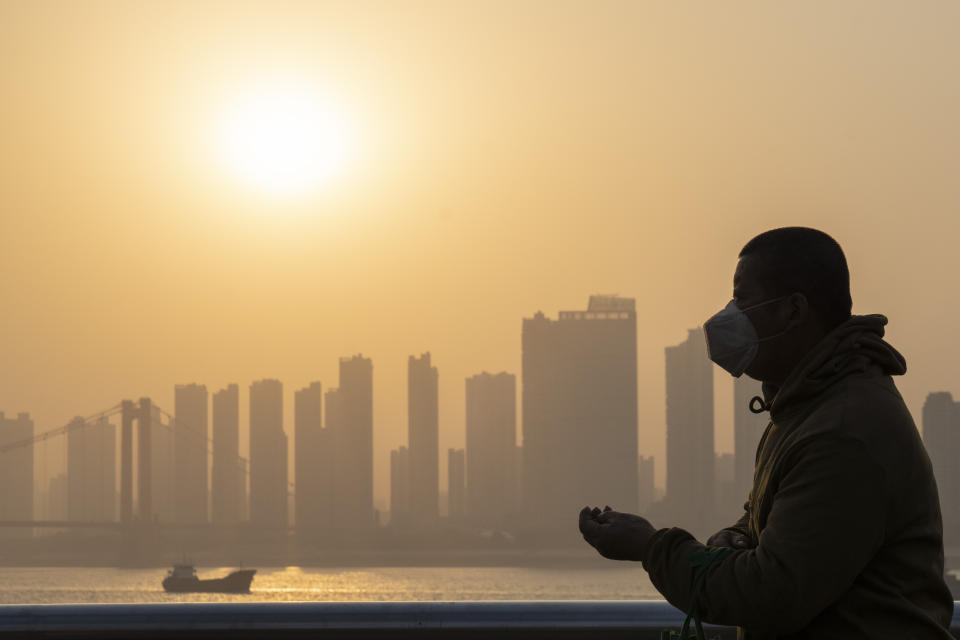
{"x":491,"y":481}
{"x":690,"y":457}
{"x":268,"y":455}
{"x":648,"y":489}
{"x":190,"y":452}
{"x":351,"y":410}
{"x":941,"y":437}
{"x":314,"y":459}
{"x":423,"y":437}
{"x":579,"y":413}
{"x":16,"y":473}
{"x":226,"y":477}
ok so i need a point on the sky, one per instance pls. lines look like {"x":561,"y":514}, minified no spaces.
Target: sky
{"x":497,"y":158}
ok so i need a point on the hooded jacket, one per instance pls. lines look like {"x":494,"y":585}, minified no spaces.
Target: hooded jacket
{"x":844,"y":512}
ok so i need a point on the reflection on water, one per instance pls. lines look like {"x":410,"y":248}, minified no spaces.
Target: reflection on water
{"x":56,"y":586}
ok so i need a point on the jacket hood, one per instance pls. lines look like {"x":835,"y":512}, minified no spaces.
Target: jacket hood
{"x":852,"y":347}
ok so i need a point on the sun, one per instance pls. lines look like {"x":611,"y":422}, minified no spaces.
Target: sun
{"x":283,"y":138}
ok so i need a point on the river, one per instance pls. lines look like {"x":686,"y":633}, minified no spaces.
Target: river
{"x":51,"y":585}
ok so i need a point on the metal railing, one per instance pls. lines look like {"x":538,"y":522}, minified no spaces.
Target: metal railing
{"x":637,"y":620}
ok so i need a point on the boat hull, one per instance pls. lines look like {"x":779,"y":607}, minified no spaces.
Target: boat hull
{"x":237,"y":582}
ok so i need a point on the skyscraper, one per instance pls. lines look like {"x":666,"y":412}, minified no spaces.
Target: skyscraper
{"x":941,"y":437}
{"x":648,"y":491}
{"x":579,"y":413}
{"x":227,"y":475}
{"x":91,"y":471}
{"x":423,"y":437}
{"x":314,"y":460}
{"x":352,"y":434}
{"x":456,"y":494}
{"x":491,"y":482}
{"x":268,"y":455}
{"x":728,"y":503}
{"x":690,"y":451}
{"x":748,"y":427}
{"x":190,"y":450}
{"x":399,"y":486}
{"x":16,"y":473}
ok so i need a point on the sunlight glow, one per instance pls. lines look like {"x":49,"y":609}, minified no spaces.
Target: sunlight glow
{"x":283,"y":139}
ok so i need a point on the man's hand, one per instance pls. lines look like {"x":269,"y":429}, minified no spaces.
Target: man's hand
{"x":730,"y":538}
{"x":617,"y":536}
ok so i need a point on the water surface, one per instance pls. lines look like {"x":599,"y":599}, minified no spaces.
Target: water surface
{"x":46,"y":585}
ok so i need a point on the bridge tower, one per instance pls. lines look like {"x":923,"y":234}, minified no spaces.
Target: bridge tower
{"x":144,"y":469}
{"x":126,"y":461}
{"x":143,"y":415}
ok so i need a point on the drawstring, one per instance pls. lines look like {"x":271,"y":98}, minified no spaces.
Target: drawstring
{"x":699,"y":560}
{"x":760,"y":409}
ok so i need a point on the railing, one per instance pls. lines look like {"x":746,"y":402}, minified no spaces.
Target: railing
{"x":637,"y":620}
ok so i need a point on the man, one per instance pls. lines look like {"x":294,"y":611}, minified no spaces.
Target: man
{"x":842,"y":536}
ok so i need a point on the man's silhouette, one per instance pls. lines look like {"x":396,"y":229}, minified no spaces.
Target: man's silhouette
{"x":841,"y":535}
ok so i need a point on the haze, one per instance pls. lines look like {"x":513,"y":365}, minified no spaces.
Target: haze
{"x":507,"y":158}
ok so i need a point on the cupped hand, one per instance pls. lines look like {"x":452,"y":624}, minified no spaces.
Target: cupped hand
{"x":616,"y":535}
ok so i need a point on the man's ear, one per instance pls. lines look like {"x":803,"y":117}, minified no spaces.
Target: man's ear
{"x":799,"y":310}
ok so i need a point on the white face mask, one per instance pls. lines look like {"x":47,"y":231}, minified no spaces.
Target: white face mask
{"x":732,"y":339}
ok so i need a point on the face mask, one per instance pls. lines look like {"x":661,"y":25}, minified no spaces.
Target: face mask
{"x":732,"y":339}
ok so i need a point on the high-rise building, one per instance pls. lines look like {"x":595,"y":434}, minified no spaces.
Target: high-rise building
{"x":16,"y":473}
{"x":941,"y":437}
{"x":647,"y":487}
{"x":491,"y":481}
{"x":690,"y":451}
{"x":456,"y":494}
{"x":423,"y":437}
{"x":748,"y":428}
{"x":333,"y":423}
{"x":579,"y":413}
{"x":350,"y":418}
{"x":268,"y":455}
{"x":190,"y":450}
{"x":227,"y":480}
{"x":91,"y":471}
{"x":399,"y":486}
{"x":314,"y":463}
{"x":728,"y":503}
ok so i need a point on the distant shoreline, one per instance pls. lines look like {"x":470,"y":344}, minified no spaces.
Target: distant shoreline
{"x":327,"y":559}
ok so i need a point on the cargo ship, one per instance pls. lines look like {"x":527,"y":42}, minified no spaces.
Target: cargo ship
{"x":183,"y":579}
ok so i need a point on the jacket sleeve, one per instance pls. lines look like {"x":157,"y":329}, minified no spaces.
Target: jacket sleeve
{"x":825,"y":523}
{"x":742,"y":526}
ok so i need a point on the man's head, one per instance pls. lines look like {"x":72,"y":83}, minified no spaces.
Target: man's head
{"x":802,"y":274}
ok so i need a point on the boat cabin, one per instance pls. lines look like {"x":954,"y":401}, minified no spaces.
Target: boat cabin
{"x":185,"y":571}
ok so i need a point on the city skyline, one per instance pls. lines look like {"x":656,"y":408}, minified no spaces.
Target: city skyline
{"x":164,"y":442}
{"x":87,"y":494}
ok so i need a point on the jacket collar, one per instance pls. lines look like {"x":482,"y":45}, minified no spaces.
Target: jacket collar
{"x":854,"y":346}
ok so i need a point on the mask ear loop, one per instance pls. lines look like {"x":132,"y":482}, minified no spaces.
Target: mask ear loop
{"x":763,"y":406}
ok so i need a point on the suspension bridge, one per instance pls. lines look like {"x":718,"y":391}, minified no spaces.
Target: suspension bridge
{"x":144,"y":415}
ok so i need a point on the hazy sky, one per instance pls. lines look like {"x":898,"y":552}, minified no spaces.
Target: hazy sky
{"x":503,"y":158}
